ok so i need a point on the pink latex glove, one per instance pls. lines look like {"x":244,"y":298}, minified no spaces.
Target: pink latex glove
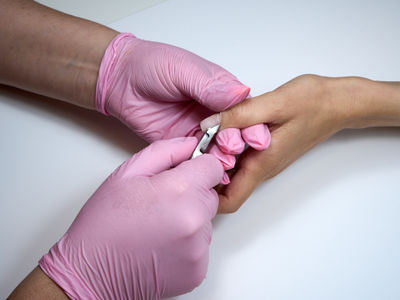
{"x":145,"y":233}
{"x":161,"y":91}
{"x":232,"y":141}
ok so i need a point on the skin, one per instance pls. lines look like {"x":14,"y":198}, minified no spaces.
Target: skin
{"x":37,"y":286}
{"x":50,"y":53}
{"x":301,"y":114}
{"x":58,"y":58}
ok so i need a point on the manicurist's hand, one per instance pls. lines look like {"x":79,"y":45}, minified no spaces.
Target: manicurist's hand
{"x":160,"y":91}
{"x":300,"y":114}
{"x":145,"y":233}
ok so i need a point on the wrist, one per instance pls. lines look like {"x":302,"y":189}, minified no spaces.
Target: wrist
{"x":88,"y":69}
{"x":50,"y":53}
{"x":366,"y":103}
{"x":109,"y":62}
{"x":37,"y":285}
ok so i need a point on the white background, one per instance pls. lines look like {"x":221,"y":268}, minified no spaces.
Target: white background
{"x":326,"y":228}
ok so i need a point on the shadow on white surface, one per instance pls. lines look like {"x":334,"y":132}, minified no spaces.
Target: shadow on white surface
{"x":107,"y":128}
{"x":278,"y":202}
{"x":276,"y":199}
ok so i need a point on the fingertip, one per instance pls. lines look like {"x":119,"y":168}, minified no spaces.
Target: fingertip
{"x":227,"y":160}
{"x":190,"y":140}
{"x":222,"y":94}
{"x":238,"y":92}
{"x":257,"y":136}
{"x":225,"y":179}
{"x":215,"y":168}
{"x":210,"y":121}
{"x":186,"y":144}
{"x":230,"y":141}
{"x":159,"y":156}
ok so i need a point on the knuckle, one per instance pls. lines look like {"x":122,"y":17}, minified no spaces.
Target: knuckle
{"x":232,"y":208}
{"x":308,"y":77}
{"x":253,"y":169}
{"x":189,"y":224}
{"x":311,"y":81}
{"x":229,"y":207}
{"x":178,"y":189}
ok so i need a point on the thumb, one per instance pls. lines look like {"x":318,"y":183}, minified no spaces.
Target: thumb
{"x":197,"y":177}
{"x":204,"y":171}
{"x":221,"y":94}
{"x":207,"y":83}
{"x":158,"y":156}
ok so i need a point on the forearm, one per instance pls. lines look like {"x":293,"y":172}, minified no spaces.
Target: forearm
{"x":37,"y":286}
{"x":50,"y":53}
{"x":367,"y":103}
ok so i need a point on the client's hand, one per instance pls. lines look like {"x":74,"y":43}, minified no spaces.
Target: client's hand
{"x":300,"y":114}
{"x":145,"y":233}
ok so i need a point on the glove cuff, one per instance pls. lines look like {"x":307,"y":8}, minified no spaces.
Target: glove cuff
{"x":106,"y":70}
{"x":56,"y":267}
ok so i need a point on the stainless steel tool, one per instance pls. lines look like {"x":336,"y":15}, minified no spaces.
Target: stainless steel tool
{"x":205,"y":141}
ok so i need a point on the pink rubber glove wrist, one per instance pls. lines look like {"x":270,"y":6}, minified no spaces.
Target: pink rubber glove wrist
{"x":145,"y":233}
{"x":106,"y":71}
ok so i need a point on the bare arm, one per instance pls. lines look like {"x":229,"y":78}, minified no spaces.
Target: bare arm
{"x":57,"y":55}
{"x":50,"y":53}
{"x":37,"y":286}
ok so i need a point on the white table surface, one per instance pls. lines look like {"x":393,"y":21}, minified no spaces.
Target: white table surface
{"x":326,"y":228}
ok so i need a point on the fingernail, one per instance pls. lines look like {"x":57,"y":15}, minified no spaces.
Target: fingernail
{"x":211,"y":121}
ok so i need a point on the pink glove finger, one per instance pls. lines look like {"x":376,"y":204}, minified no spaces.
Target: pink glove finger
{"x":227,"y":160}
{"x":257,"y":136}
{"x":204,"y":81}
{"x":225,"y":179}
{"x":159,"y":156}
{"x":223,"y":93}
{"x":205,"y":171}
{"x":230,"y":141}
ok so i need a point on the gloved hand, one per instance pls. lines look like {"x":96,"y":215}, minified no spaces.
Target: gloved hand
{"x":145,"y":233}
{"x":161,"y":91}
